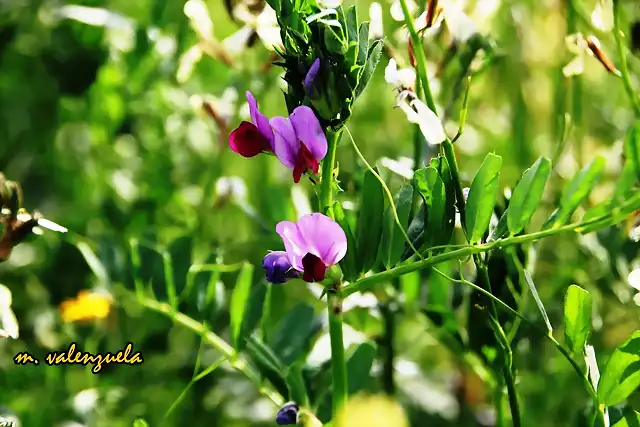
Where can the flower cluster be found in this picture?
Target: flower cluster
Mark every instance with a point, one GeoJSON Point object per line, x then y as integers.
{"type": "Point", "coordinates": [315, 242]}
{"type": "Point", "coordinates": [297, 141]}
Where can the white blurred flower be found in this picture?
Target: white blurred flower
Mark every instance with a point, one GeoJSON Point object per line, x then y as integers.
{"type": "Point", "coordinates": [376, 27]}
{"type": "Point", "coordinates": [403, 166]}
{"type": "Point", "coordinates": [400, 78]}
{"type": "Point", "coordinates": [231, 187]}
{"type": "Point", "coordinates": [396, 9]}
{"type": "Point", "coordinates": [602, 15]}
{"type": "Point", "coordinates": [592, 365]}
{"type": "Point", "coordinates": [634, 279]}
{"type": "Point", "coordinates": [265, 25]}
{"type": "Point", "coordinates": [417, 112]}
{"type": "Point", "coordinates": [198, 14]}
{"type": "Point", "coordinates": [8, 322]}
{"type": "Point", "coordinates": [329, 4]}
{"type": "Point", "coordinates": [85, 401]}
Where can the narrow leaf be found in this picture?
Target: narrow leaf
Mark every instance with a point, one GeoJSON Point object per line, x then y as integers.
{"type": "Point", "coordinates": [289, 340]}
{"type": "Point", "coordinates": [352, 24]}
{"type": "Point", "coordinates": [527, 195]}
{"type": "Point", "coordinates": [577, 318]}
{"type": "Point", "coordinates": [359, 367]}
{"type": "Point", "coordinates": [370, 219]}
{"type": "Point", "coordinates": [370, 66]}
{"type": "Point", "coordinates": [297, 386]}
{"type": "Point", "coordinates": [140, 423]}
{"type": "Point", "coordinates": [632, 148]}
{"type": "Point", "coordinates": [628, 418]}
{"type": "Point", "coordinates": [621, 376]}
{"type": "Point", "coordinates": [482, 197]}
{"type": "Point", "coordinates": [393, 242]}
{"type": "Point", "coordinates": [239, 299]}
{"type": "Point", "coordinates": [348, 264]}
{"type": "Point", "coordinates": [575, 193]}
{"type": "Point", "coordinates": [363, 43]}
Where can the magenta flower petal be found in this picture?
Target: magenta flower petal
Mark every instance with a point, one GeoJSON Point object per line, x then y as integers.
{"type": "Point", "coordinates": [309, 131]}
{"type": "Point", "coordinates": [324, 237]}
{"type": "Point", "coordinates": [285, 142]}
{"type": "Point", "coordinates": [259, 119]}
{"type": "Point", "coordinates": [294, 243]}
{"type": "Point", "coordinates": [247, 141]}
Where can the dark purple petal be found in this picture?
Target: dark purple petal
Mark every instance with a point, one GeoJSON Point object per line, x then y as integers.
{"type": "Point", "coordinates": [309, 132]}
{"type": "Point", "coordinates": [288, 414]}
{"type": "Point", "coordinates": [247, 141]}
{"type": "Point", "coordinates": [259, 120]}
{"type": "Point", "coordinates": [324, 237]}
{"type": "Point", "coordinates": [311, 76]}
{"type": "Point", "coordinates": [277, 267]}
{"type": "Point", "coordinates": [314, 269]}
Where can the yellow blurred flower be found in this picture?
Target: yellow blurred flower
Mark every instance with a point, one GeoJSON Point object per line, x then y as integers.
{"type": "Point", "coordinates": [87, 305]}
{"type": "Point", "coordinates": [372, 411]}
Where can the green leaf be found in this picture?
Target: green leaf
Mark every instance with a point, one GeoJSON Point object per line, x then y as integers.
{"type": "Point", "coordinates": [482, 197]}
{"type": "Point", "coordinates": [297, 386]}
{"type": "Point", "coordinates": [295, 329]}
{"type": "Point", "coordinates": [140, 423]}
{"type": "Point", "coordinates": [359, 367]}
{"type": "Point", "coordinates": [349, 263]}
{"type": "Point", "coordinates": [449, 219]}
{"type": "Point", "coordinates": [239, 299]}
{"type": "Point", "coordinates": [393, 241]}
{"type": "Point", "coordinates": [501, 228]}
{"type": "Point", "coordinates": [369, 67]}
{"type": "Point", "coordinates": [431, 187]}
{"type": "Point", "coordinates": [625, 184]}
{"type": "Point", "coordinates": [577, 318]}
{"type": "Point", "coordinates": [527, 195]}
{"type": "Point", "coordinates": [370, 219]}
{"type": "Point", "coordinates": [334, 39]}
{"type": "Point", "coordinates": [575, 193]}
{"type": "Point", "coordinates": [632, 148]}
{"type": "Point", "coordinates": [410, 285]}
{"type": "Point", "coordinates": [363, 43]}
{"type": "Point", "coordinates": [352, 24]}
{"type": "Point", "coordinates": [628, 418]}
{"type": "Point", "coordinates": [621, 376]}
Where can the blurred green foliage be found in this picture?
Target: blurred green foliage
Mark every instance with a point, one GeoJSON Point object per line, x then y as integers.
{"type": "Point", "coordinates": [112, 132]}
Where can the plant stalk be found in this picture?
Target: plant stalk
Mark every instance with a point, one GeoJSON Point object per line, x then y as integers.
{"type": "Point", "coordinates": [334, 299]}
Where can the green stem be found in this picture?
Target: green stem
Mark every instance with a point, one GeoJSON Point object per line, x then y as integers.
{"type": "Point", "coordinates": [338, 363]}
{"type": "Point", "coordinates": [409, 266]}
{"type": "Point", "coordinates": [334, 300]}
{"type": "Point", "coordinates": [624, 68]}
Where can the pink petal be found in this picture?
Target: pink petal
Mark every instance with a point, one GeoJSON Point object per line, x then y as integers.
{"type": "Point", "coordinates": [324, 238]}
{"type": "Point", "coordinates": [259, 119]}
{"type": "Point", "coordinates": [285, 143]}
{"type": "Point", "coordinates": [309, 131]}
{"type": "Point", "coordinates": [294, 243]}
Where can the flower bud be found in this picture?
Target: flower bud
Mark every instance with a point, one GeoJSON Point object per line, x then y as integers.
{"type": "Point", "coordinates": [288, 414]}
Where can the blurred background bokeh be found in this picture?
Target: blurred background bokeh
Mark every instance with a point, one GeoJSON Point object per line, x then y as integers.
{"type": "Point", "coordinates": [114, 118]}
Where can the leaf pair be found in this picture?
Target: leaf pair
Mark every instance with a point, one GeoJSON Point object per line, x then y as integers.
{"type": "Point", "coordinates": [621, 375]}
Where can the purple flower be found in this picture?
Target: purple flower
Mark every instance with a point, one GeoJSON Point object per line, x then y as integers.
{"type": "Point", "coordinates": [251, 139]}
{"type": "Point", "coordinates": [313, 244]}
{"type": "Point", "coordinates": [288, 414]}
{"type": "Point", "coordinates": [311, 76]}
{"type": "Point", "coordinates": [278, 268]}
{"type": "Point", "coordinates": [299, 141]}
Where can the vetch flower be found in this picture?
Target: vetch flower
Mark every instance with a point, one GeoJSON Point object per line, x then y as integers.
{"type": "Point", "coordinates": [263, 25]}
{"type": "Point", "coordinates": [311, 76]}
{"type": "Point", "coordinates": [251, 139]}
{"type": "Point", "coordinates": [299, 141]}
{"type": "Point", "coordinates": [376, 27]}
{"type": "Point", "coordinates": [288, 414]}
{"type": "Point", "coordinates": [8, 322]}
{"type": "Point", "coordinates": [312, 244]}
{"type": "Point", "coordinates": [278, 268]}
{"type": "Point", "coordinates": [404, 78]}
{"type": "Point", "coordinates": [417, 112]}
